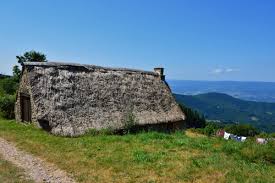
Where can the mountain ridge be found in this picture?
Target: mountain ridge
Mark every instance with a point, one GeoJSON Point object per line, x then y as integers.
{"type": "Point", "coordinates": [251, 91]}
{"type": "Point", "coordinates": [228, 109]}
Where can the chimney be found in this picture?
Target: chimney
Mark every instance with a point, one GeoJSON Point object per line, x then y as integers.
{"type": "Point", "coordinates": [160, 72]}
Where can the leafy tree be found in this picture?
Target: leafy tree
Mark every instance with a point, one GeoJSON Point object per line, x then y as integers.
{"type": "Point", "coordinates": [16, 73]}
{"type": "Point", "coordinates": [193, 118]}
{"type": "Point", "coordinates": [31, 56]}
{"type": "Point", "coordinates": [7, 106]}
{"type": "Point", "coordinates": [8, 86]}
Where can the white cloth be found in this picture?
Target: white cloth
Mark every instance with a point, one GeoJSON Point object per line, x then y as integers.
{"type": "Point", "coordinates": [261, 141]}
{"type": "Point", "coordinates": [226, 135]}
{"type": "Point", "coordinates": [243, 139]}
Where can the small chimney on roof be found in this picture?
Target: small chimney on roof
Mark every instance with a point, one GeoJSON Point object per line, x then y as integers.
{"type": "Point", "coordinates": [160, 72]}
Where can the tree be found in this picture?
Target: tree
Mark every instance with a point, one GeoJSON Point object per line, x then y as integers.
{"type": "Point", "coordinates": [7, 103]}
{"type": "Point", "coordinates": [16, 73]}
{"type": "Point", "coordinates": [193, 118]}
{"type": "Point", "coordinates": [8, 86]}
{"type": "Point", "coordinates": [31, 56]}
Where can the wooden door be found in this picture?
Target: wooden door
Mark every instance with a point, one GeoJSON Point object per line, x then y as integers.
{"type": "Point", "coordinates": [25, 108]}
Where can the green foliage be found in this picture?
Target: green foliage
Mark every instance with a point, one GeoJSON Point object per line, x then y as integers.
{"type": "Point", "coordinates": [16, 73]}
{"type": "Point", "coordinates": [237, 129]}
{"type": "Point", "coordinates": [263, 135]}
{"type": "Point", "coordinates": [193, 118]}
{"type": "Point", "coordinates": [7, 103]}
{"type": "Point", "coordinates": [222, 107]}
{"type": "Point", "coordinates": [242, 130]}
{"type": "Point", "coordinates": [8, 86]}
{"type": "Point", "coordinates": [211, 128]}
{"type": "Point", "coordinates": [129, 123]}
{"type": "Point", "coordinates": [31, 56]}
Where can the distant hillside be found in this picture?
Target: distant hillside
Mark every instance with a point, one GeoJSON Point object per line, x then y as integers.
{"type": "Point", "coordinates": [252, 91]}
{"type": "Point", "coordinates": [222, 107]}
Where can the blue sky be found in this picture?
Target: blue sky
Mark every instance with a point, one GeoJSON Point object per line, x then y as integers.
{"type": "Point", "coordinates": [193, 40]}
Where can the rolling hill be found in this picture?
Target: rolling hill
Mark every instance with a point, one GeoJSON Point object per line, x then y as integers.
{"type": "Point", "coordinates": [225, 108]}
{"type": "Point", "coordinates": [252, 91]}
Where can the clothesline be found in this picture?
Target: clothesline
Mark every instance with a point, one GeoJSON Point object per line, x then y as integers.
{"type": "Point", "coordinates": [227, 136]}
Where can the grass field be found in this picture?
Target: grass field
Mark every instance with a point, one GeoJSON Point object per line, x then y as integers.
{"type": "Point", "coordinates": [147, 157]}
{"type": "Point", "coordinates": [11, 174]}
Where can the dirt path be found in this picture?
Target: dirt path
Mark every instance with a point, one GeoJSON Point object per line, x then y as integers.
{"type": "Point", "coordinates": [35, 168]}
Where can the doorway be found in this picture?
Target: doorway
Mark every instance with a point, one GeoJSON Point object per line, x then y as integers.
{"type": "Point", "coordinates": [25, 107]}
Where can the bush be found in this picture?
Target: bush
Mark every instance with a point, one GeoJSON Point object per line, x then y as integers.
{"type": "Point", "coordinates": [263, 135]}
{"type": "Point", "coordinates": [7, 103]}
{"type": "Point", "coordinates": [8, 86]}
{"type": "Point", "coordinates": [242, 130]}
{"type": "Point", "coordinates": [129, 123]}
{"type": "Point", "coordinates": [211, 129]}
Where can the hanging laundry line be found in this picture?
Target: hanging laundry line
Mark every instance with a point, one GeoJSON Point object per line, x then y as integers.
{"type": "Point", "coordinates": [227, 136]}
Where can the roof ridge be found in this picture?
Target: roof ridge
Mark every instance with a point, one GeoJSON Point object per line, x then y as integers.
{"type": "Point", "coordinates": [87, 66]}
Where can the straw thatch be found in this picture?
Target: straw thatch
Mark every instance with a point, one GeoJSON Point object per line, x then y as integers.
{"type": "Point", "coordinates": [68, 99]}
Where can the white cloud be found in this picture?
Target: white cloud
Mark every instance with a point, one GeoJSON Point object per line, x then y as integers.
{"type": "Point", "coordinates": [217, 71]}
{"type": "Point", "coordinates": [223, 70]}
{"type": "Point", "coordinates": [231, 70]}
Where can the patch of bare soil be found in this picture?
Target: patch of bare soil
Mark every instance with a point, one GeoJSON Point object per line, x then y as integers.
{"type": "Point", "coordinates": [35, 168]}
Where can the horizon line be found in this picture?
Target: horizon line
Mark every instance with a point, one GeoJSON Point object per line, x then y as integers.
{"type": "Point", "coordinates": [197, 80]}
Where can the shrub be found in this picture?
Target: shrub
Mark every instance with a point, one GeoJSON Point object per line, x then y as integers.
{"type": "Point", "coordinates": [242, 130]}
{"type": "Point", "coordinates": [211, 129]}
{"type": "Point", "coordinates": [8, 86]}
{"type": "Point", "coordinates": [263, 135]}
{"type": "Point", "coordinates": [129, 123]}
{"type": "Point", "coordinates": [7, 103]}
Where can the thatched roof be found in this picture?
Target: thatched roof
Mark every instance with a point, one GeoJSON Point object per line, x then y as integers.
{"type": "Point", "coordinates": [74, 98]}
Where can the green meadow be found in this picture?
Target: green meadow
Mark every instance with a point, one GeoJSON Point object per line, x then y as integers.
{"type": "Point", "coordinates": [147, 156]}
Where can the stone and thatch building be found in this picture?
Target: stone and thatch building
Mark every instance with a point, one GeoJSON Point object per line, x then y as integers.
{"type": "Point", "coordinates": [69, 99]}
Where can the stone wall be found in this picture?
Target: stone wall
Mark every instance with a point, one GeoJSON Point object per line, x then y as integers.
{"type": "Point", "coordinates": [73, 98]}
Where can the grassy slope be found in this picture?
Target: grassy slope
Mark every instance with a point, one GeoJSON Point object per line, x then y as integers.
{"type": "Point", "coordinates": [226, 108]}
{"type": "Point", "coordinates": [11, 174]}
{"type": "Point", "coordinates": [147, 157]}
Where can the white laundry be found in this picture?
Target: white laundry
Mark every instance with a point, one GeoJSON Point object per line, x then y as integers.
{"type": "Point", "coordinates": [226, 135]}
{"type": "Point", "coordinates": [243, 139]}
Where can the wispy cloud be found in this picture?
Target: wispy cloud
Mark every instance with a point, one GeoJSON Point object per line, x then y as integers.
{"type": "Point", "coordinates": [217, 71]}
{"type": "Point", "coordinates": [224, 70]}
